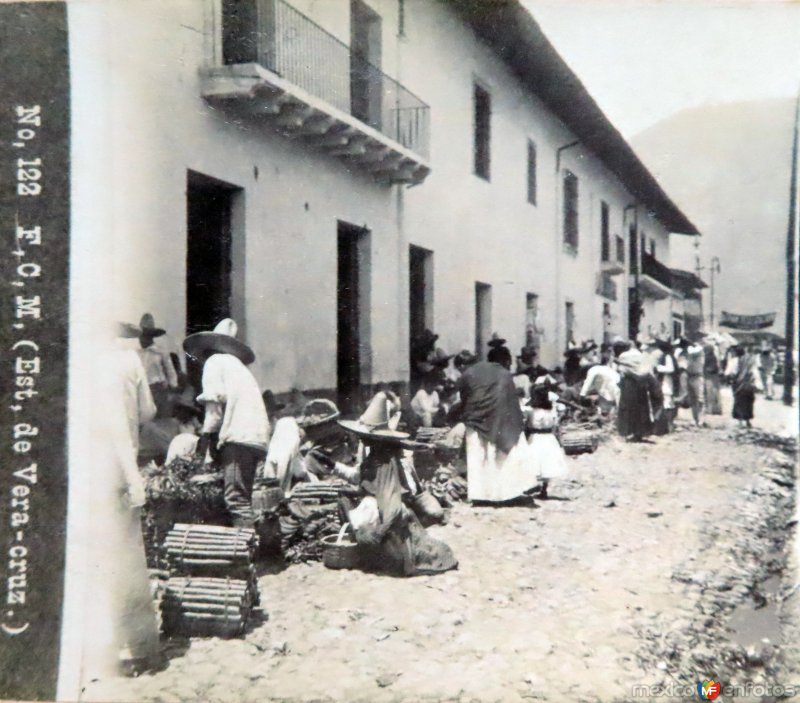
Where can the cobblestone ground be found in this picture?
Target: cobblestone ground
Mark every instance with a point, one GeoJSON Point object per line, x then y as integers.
{"type": "Point", "coordinates": [630, 575]}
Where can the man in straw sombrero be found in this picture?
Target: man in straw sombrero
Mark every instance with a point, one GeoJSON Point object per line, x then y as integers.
{"type": "Point", "coordinates": [396, 543]}
{"type": "Point", "coordinates": [236, 422]}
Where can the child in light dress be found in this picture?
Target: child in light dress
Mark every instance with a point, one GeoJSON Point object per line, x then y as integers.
{"type": "Point", "coordinates": [541, 423]}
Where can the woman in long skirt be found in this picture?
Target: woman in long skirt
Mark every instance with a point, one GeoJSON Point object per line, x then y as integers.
{"type": "Point", "coordinates": [711, 374]}
{"type": "Point", "coordinates": [634, 417]}
{"type": "Point", "coordinates": [745, 383]}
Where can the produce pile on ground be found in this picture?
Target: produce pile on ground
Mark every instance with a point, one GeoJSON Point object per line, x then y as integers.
{"type": "Point", "coordinates": [302, 528]}
{"type": "Point", "coordinates": [183, 491]}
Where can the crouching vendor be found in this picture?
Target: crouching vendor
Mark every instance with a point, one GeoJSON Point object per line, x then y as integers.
{"type": "Point", "coordinates": [391, 536]}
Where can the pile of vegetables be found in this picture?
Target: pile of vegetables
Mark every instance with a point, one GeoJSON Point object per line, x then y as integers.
{"type": "Point", "coordinates": [182, 491]}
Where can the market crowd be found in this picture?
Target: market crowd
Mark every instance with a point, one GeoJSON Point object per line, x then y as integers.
{"type": "Point", "coordinates": [501, 415]}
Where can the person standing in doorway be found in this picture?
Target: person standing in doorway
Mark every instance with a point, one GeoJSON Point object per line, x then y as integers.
{"type": "Point", "coordinates": [236, 425]}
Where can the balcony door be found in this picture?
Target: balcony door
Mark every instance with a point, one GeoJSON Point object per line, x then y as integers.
{"type": "Point", "coordinates": [366, 79]}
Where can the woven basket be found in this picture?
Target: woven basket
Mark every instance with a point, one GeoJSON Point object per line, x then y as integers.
{"type": "Point", "coordinates": [426, 506]}
{"type": "Point", "coordinates": [340, 552]}
{"type": "Point", "coordinates": [267, 495]}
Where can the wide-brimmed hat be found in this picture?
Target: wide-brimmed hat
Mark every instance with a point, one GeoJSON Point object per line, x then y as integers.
{"type": "Point", "coordinates": [588, 345]}
{"type": "Point", "coordinates": [546, 381]}
{"type": "Point", "coordinates": [439, 358]}
{"type": "Point", "coordinates": [427, 337]}
{"type": "Point", "coordinates": [125, 330]}
{"type": "Point", "coordinates": [464, 358]}
{"type": "Point", "coordinates": [496, 340]}
{"type": "Point", "coordinates": [222, 340]}
{"type": "Point", "coordinates": [148, 325]}
{"type": "Point", "coordinates": [373, 425]}
{"type": "Point", "coordinates": [271, 404]}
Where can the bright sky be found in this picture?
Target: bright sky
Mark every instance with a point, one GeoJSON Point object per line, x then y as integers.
{"type": "Point", "coordinates": [643, 60]}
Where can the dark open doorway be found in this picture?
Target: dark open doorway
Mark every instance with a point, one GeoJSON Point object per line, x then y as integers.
{"type": "Point", "coordinates": [483, 317]}
{"type": "Point", "coordinates": [420, 291]}
{"type": "Point", "coordinates": [352, 337]}
{"type": "Point", "coordinates": [209, 207]}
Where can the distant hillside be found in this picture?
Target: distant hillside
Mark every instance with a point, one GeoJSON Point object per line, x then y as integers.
{"type": "Point", "coordinates": [728, 167]}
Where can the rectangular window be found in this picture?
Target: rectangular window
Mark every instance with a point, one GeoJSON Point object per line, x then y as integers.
{"type": "Point", "coordinates": [605, 235]}
{"type": "Point", "coordinates": [571, 210]}
{"type": "Point", "coordinates": [644, 243]}
{"type": "Point", "coordinates": [634, 248]}
{"type": "Point", "coordinates": [531, 173]}
{"type": "Point", "coordinates": [653, 248]}
{"type": "Point", "coordinates": [482, 131]}
{"type": "Point", "coordinates": [620, 250]}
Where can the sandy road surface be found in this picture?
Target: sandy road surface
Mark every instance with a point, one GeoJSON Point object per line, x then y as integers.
{"type": "Point", "coordinates": [628, 576]}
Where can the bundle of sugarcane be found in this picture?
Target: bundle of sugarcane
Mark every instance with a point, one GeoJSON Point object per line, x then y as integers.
{"type": "Point", "coordinates": [210, 549]}
{"type": "Point", "coordinates": [302, 537]}
{"type": "Point", "coordinates": [195, 606]}
{"type": "Point", "coordinates": [430, 435]}
{"type": "Point", "coordinates": [322, 491]}
{"type": "Point", "coordinates": [578, 442]}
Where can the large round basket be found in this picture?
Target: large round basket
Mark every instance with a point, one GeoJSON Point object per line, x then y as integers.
{"type": "Point", "coordinates": [340, 552]}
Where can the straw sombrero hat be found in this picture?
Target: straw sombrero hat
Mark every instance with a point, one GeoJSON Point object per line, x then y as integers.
{"type": "Point", "coordinates": [373, 425]}
{"type": "Point", "coordinates": [222, 340]}
{"type": "Point", "coordinates": [148, 325]}
{"type": "Point", "coordinates": [125, 330]}
{"type": "Point", "coordinates": [439, 358]}
{"type": "Point", "coordinates": [496, 340]}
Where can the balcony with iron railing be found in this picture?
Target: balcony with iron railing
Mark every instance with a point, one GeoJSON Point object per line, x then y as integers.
{"type": "Point", "coordinates": [655, 280]}
{"type": "Point", "coordinates": [279, 66]}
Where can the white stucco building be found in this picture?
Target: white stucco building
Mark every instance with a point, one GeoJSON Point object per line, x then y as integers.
{"type": "Point", "coordinates": [338, 175]}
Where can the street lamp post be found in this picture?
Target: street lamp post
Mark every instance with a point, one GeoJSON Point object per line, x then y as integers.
{"type": "Point", "coordinates": [713, 268]}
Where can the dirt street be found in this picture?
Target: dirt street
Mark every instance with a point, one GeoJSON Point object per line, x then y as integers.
{"type": "Point", "coordinates": [647, 568]}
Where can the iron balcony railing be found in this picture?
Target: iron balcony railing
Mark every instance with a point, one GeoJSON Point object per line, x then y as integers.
{"type": "Point", "coordinates": [656, 270]}
{"type": "Point", "coordinates": [275, 35]}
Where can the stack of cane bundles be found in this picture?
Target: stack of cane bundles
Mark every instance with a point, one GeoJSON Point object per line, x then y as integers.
{"type": "Point", "coordinates": [578, 442]}
{"type": "Point", "coordinates": [212, 588]}
{"type": "Point", "coordinates": [323, 491]}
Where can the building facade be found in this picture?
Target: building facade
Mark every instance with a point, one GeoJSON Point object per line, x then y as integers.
{"type": "Point", "coordinates": [339, 175]}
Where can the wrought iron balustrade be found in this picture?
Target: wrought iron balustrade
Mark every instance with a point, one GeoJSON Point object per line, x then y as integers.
{"type": "Point", "coordinates": [283, 40]}
{"type": "Point", "coordinates": [656, 270]}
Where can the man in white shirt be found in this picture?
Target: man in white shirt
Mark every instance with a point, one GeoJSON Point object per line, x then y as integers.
{"type": "Point", "coordinates": [158, 366]}
{"type": "Point", "coordinates": [235, 415]}
{"type": "Point", "coordinates": [604, 381]}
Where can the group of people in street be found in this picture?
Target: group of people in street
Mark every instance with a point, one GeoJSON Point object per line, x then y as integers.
{"type": "Point", "coordinates": [506, 415]}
